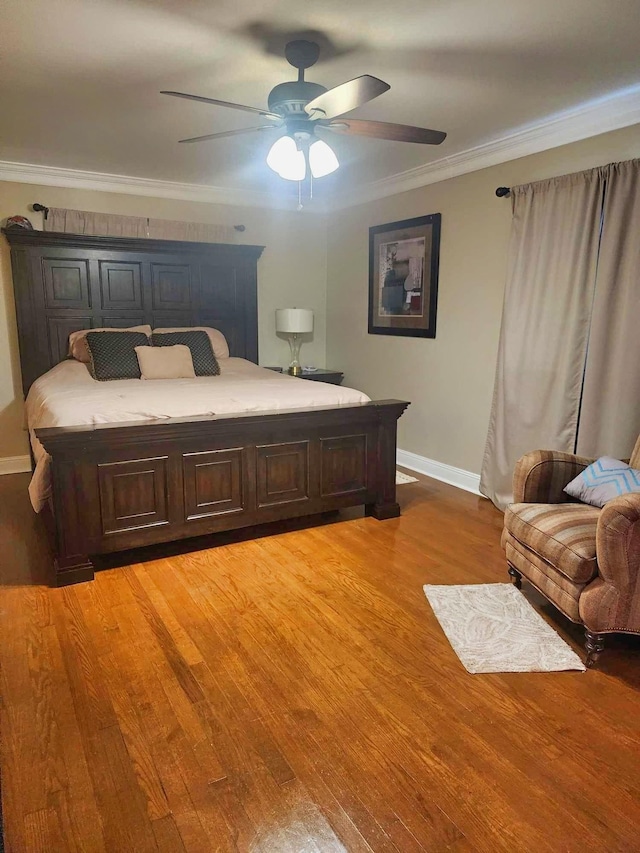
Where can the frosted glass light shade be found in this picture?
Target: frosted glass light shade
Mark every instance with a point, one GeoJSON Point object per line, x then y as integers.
{"type": "Point", "coordinates": [285, 159]}
{"type": "Point", "coordinates": [322, 160]}
{"type": "Point", "coordinates": [294, 321]}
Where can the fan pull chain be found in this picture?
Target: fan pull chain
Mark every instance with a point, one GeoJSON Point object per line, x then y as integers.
{"type": "Point", "coordinates": [300, 204]}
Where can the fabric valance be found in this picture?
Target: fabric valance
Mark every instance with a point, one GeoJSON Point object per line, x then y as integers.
{"type": "Point", "coordinates": [66, 221]}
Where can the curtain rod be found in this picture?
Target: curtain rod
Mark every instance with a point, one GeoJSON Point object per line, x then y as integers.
{"type": "Point", "coordinates": [40, 208]}
{"type": "Point", "coordinates": [502, 192]}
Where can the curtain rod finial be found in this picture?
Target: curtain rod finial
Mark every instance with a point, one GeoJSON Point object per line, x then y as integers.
{"type": "Point", "coordinates": [40, 208]}
{"type": "Point", "coordinates": [501, 192]}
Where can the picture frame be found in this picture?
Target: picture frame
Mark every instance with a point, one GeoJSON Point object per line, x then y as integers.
{"type": "Point", "coordinates": [403, 277]}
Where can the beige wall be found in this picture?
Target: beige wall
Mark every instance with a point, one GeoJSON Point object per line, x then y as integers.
{"type": "Point", "coordinates": [449, 380]}
{"type": "Point", "coordinates": [291, 271]}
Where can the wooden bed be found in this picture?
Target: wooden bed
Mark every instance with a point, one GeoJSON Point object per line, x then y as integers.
{"type": "Point", "coordinates": [122, 486]}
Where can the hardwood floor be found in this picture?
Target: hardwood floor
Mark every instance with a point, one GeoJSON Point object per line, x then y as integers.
{"type": "Point", "coordinates": [295, 693]}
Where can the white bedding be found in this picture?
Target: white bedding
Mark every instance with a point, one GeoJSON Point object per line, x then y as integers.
{"type": "Point", "coordinates": [67, 395]}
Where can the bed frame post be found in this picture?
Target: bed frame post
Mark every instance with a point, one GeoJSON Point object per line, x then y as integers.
{"type": "Point", "coordinates": [74, 570]}
{"type": "Point", "coordinates": [385, 505]}
{"type": "Point", "coordinates": [69, 565]}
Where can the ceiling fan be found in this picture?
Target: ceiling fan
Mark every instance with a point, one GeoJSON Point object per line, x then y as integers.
{"type": "Point", "coordinates": [303, 108]}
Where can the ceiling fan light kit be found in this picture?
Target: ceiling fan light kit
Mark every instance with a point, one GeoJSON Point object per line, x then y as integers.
{"type": "Point", "coordinates": [302, 107]}
{"type": "Point", "coordinates": [287, 160]}
{"type": "Point", "coordinates": [322, 159]}
{"type": "Point", "coordinates": [288, 157]}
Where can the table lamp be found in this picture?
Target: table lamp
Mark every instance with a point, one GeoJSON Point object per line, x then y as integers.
{"type": "Point", "coordinates": [294, 322]}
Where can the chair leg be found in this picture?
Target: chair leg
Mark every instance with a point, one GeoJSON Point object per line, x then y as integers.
{"type": "Point", "coordinates": [516, 577]}
{"type": "Point", "coordinates": [594, 645]}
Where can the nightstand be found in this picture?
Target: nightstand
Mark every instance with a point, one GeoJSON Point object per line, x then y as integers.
{"type": "Point", "coordinates": [333, 377]}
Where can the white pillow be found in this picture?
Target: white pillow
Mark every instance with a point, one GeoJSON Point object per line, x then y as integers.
{"type": "Point", "coordinates": [219, 343]}
{"type": "Point", "coordinates": [173, 362]}
{"type": "Point", "coordinates": [79, 349]}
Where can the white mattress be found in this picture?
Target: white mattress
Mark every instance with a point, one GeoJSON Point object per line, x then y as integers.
{"type": "Point", "coordinates": [67, 395]}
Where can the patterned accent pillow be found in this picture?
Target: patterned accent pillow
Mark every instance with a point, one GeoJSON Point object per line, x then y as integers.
{"type": "Point", "coordinates": [219, 343]}
{"type": "Point", "coordinates": [79, 349]}
{"type": "Point", "coordinates": [113, 354]}
{"type": "Point", "coordinates": [204, 361]}
{"type": "Point", "coordinates": [603, 480]}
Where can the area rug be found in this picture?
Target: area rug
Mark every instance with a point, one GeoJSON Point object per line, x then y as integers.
{"type": "Point", "coordinates": [493, 628]}
{"type": "Point", "coordinates": [404, 478]}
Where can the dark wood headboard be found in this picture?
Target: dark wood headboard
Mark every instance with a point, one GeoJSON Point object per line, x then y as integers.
{"type": "Point", "coordinates": [66, 282]}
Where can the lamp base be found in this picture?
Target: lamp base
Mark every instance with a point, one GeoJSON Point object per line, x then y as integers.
{"type": "Point", "coordinates": [295, 341]}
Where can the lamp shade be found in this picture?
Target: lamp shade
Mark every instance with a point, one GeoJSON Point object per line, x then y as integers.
{"type": "Point", "coordinates": [285, 159]}
{"type": "Point", "coordinates": [294, 321]}
{"type": "Point", "coordinates": [322, 160]}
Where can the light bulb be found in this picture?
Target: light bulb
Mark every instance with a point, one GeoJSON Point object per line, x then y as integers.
{"type": "Point", "coordinates": [322, 160]}
{"type": "Point", "coordinates": [285, 159]}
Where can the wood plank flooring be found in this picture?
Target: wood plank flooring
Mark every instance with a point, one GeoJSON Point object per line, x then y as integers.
{"type": "Point", "coordinates": [294, 693]}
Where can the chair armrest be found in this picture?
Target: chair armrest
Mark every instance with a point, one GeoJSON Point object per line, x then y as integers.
{"type": "Point", "coordinates": [618, 541]}
{"type": "Point", "coordinates": [540, 476]}
{"type": "Point", "coordinates": [611, 602]}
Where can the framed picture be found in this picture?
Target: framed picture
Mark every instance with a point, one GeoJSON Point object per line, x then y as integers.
{"type": "Point", "coordinates": [403, 277]}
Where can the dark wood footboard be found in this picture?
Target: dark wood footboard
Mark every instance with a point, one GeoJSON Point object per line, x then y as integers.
{"type": "Point", "coordinates": [117, 487]}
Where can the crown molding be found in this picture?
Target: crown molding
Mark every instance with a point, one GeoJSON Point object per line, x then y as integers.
{"type": "Point", "coordinates": [52, 176]}
{"type": "Point", "coordinates": [615, 111]}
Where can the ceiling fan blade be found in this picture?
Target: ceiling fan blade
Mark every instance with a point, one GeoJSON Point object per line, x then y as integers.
{"type": "Point", "coordinates": [264, 113]}
{"type": "Point", "coordinates": [224, 133]}
{"type": "Point", "coordinates": [387, 130]}
{"type": "Point", "coordinates": [346, 97]}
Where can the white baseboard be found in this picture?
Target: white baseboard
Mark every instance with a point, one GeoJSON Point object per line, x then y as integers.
{"type": "Point", "coordinates": [439, 471]}
{"type": "Point", "coordinates": [15, 464]}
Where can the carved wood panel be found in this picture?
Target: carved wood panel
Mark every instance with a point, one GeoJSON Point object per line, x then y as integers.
{"type": "Point", "coordinates": [282, 473]}
{"type": "Point", "coordinates": [213, 483]}
{"type": "Point", "coordinates": [343, 465]}
{"type": "Point", "coordinates": [120, 285]}
{"type": "Point", "coordinates": [218, 287]}
{"type": "Point", "coordinates": [133, 494]}
{"type": "Point", "coordinates": [171, 286]}
{"type": "Point", "coordinates": [66, 283]}
{"type": "Point", "coordinates": [221, 299]}
{"type": "Point", "coordinates": [58, 331]}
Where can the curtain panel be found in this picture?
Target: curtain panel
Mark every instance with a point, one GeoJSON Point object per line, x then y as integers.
{"type": "Point", "coordinates": [114, 225]}
{"type": "Point", "coordinates": [545, 324]}
{"type": "Point", "coordinates": [568, 371]}
{"type": "Point", "coordinates": [610, 411]}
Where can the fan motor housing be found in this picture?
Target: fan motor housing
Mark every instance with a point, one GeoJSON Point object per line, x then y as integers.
{"type": "Point", "coordinates": [290, 99]}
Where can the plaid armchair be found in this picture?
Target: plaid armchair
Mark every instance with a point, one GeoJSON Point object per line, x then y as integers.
{"type": "Point", "coordinates": [585, 560]}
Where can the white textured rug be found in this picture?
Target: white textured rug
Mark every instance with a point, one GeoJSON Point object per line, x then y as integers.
{"type": "Point", "coordinates": [493, 628]}
{"type": "Point", "coordinates": [404, 478]}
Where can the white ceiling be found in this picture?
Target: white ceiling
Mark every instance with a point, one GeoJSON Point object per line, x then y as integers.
{"type": "Point", "coordinates": [80, 79]}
